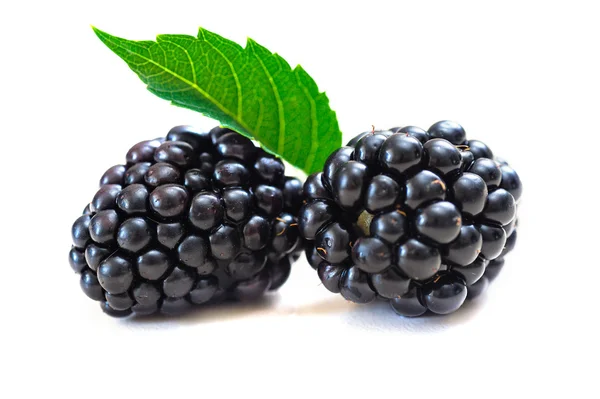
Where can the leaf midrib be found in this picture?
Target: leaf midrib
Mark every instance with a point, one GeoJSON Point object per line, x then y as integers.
{"type": "Point", "coordinates": [280, 110]}
{"type": "Point", "coordinates": [183, 79]}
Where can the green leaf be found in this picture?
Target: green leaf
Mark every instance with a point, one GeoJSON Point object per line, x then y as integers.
{"type": "Point", "coordinates": [250, 90]}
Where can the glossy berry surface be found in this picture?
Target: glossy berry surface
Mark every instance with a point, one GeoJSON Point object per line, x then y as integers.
{"type": "Point", "coordinates": [194, 218]}
{"type": "Point", "coordinates": [420, 218]}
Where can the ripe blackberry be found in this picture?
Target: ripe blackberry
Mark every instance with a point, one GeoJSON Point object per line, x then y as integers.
{"type": "Point", "coordinates": [190, 219]}
{"type": "Point", "coordinates": [422, 219]}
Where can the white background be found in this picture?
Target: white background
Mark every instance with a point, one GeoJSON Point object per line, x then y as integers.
{"type": "Point", "coordinates": [523, 76]}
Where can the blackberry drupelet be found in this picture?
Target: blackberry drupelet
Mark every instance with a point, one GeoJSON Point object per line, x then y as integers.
{"type": "Point", "coordinates": [194, 218]}
{"type": "Point", "coordinates": [422, 219]}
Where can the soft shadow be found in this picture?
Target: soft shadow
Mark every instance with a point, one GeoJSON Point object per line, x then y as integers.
{"type": "Point", "coordinates": [210, 313]}
{"type": "Point", "coordinates": [376, 315]}
{"type": "Point", "coordinates": [380, 315]}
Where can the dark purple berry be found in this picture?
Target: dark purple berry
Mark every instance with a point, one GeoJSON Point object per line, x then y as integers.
{"type": "Point", "coordinates": [246, 265]}
{"type": "Point", "coordinates": [424, 187]}
{"type": "Point", "coordinates": [390, 283]}
{"type": "Point", "coordinates": [105, 198]}
{"type": "Point", "coordinates": [134, 234]}
{"type": "Point", "coordinates": [144, 310]}
{"type": "Point", "coordinates": [136, 174]}
{"type": "Point", "coordinates": [133, 199]}
{"type": "Point", "coordinates": [253, 288]}
{"type": "Point", "coordinates": [114, 175]}
{"type": "Point", "coordinates": [382, 192]}
{"type": "Point", "coordinates": [511, 241]}
{"type": "Point", "coordinates": [115, 274]}
{"type": "Point", "coordinates": [467, 159]}
{"type": "Point", "coordinates": [238, 204]}
{"type": "Point", "coordinates": [90, 285]}
{"type": "Point", "coordinates": [80, 232]}
{"type": "Point", "coordinates": [511, 182]}
{"type": "Point", "coordinates": [176, 152]}
{"type": "Point", "coordinates": [478, 288]}
{"type": "Point", "coordinates": [417, 260]}
{"type": "Point", "coordinates": [195, 180]}
{"type": "Point", "coordinates": [142, 152]}
{"type": "Point", "coordinates": [448, 130]}
{"type": "Point", "coordinates": [119, 302]}
{"type": "Point", "coordinates": [479, 149]}
{"type": "Point", "coordinates": [231, 173]}
{"type": "Point", "coordinates": [442, 156]}
{"type": "Point", "coordinates": [174, 306]}
{"type": "Point", "coordinates": [169, 200]}
{"type": "Point", "coordinates": [94, 255]}
{"type": "Point", "coordinates": [189, 134]}
{"type": "Point", "coordinates": [103, 226]}
{"type": "Point", "coordinates": [494, 239]}
{"type": "Point", "coordinates": [206, 211]}
{"type": "Point", "coordinates": [106, 308]}
{"type": "Point", "coordinates": [510, 227]}
{"type": "Point", "coordinates": [269, 168]}
{"type": "Point", "coordinates": [146, 294]}
{"type": "Point", "coordinates": [77, 260]}
{"type": "Point", "coordinates": [333, 243]}
{"type": "Point", "coordinates": [444, 294]}
{"type": "Point", "coordinates": [440, 222]}
{"type": "Point", "coordinates": [488, 170]}
{"type": "Point", "coordinates": [178, 283]}
{"type": "Point", "coordinates": [367, 149]}
{"type": "Point", "coordinates": [257, 232]}
{"type": "Point", "coordinates": [234, 145]}
{"type": "Point", "coordinates": [472, 272]}
{"type": "Point", "coordinates": [269, 199]}
{"type": "Point", "coordinates": [415, 132]}
{"type": "Point", "coordinates": [204, 289]}
{"type": "Point", "coordinates": [207, 268]}
{"type": "Point", "coordinates": [372, 255]}
{"type": "Point", "coordinates": [285, 234]}
{"type": "Point", "coordinates": [162, 173]}
{"type": "Point", "coordinates": [400, 153]}
{"type": "Point", "coordinates": [169, 234]}
{"type": "Point", "coordinates": [192, 251]}
{"type": "Point", "coordinates": [279, 273]}
{"type": "Point", "coordinates": [358, 137]}
{"type": "Point", "coordinates": [312, 217]}
{"type": "Point", "coordinates": [313, 257]}
{"type": "Point", "coordinates": [153, 264]}
{"type": "Point", "coordinates": [330, 276]}
{"type": "Point", "coordinates": [349, 184]}
{"type": "Point", "coordinates": [390, 226]}
{"type": "Point", "coordinates": [409, 304]}
{"type": "Point", "coordinates": [470, 193]}
{"type": "Point", "coordinates": [466, 247]}
{"type": "Point", "coordinates": [493, 269]}
{"type": "Point", "coordinates": [216, 132]}
{"type": "Point", "coordinates": [354, 286]}
{"type": "Point", "coordinates": [225, 243]}
{"type": "Point", "coordinates": [334, 163]}
{"type": "Point", "coordinates": [500, 207]}
{"type": "Point", "coordinates": [314, 188]}
{"type": "Point", "coordinates": [292, 194]}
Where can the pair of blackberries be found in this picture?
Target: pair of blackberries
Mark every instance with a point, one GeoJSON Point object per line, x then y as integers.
{"type": "Point", "coordinates": [420, 218]}
{"type": "Point", "coordinates": [190, 219]}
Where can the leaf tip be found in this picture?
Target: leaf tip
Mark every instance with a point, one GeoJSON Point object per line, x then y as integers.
{"type": "Point", "coordinates": [250, 42]}
{"type": "Point", "coordinates": [100, 33]}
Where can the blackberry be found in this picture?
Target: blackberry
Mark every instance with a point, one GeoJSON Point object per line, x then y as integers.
{"type": "Point", "coordinates": [194, 218]}
{"type": "Point", "coordinates": [422, 219]}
